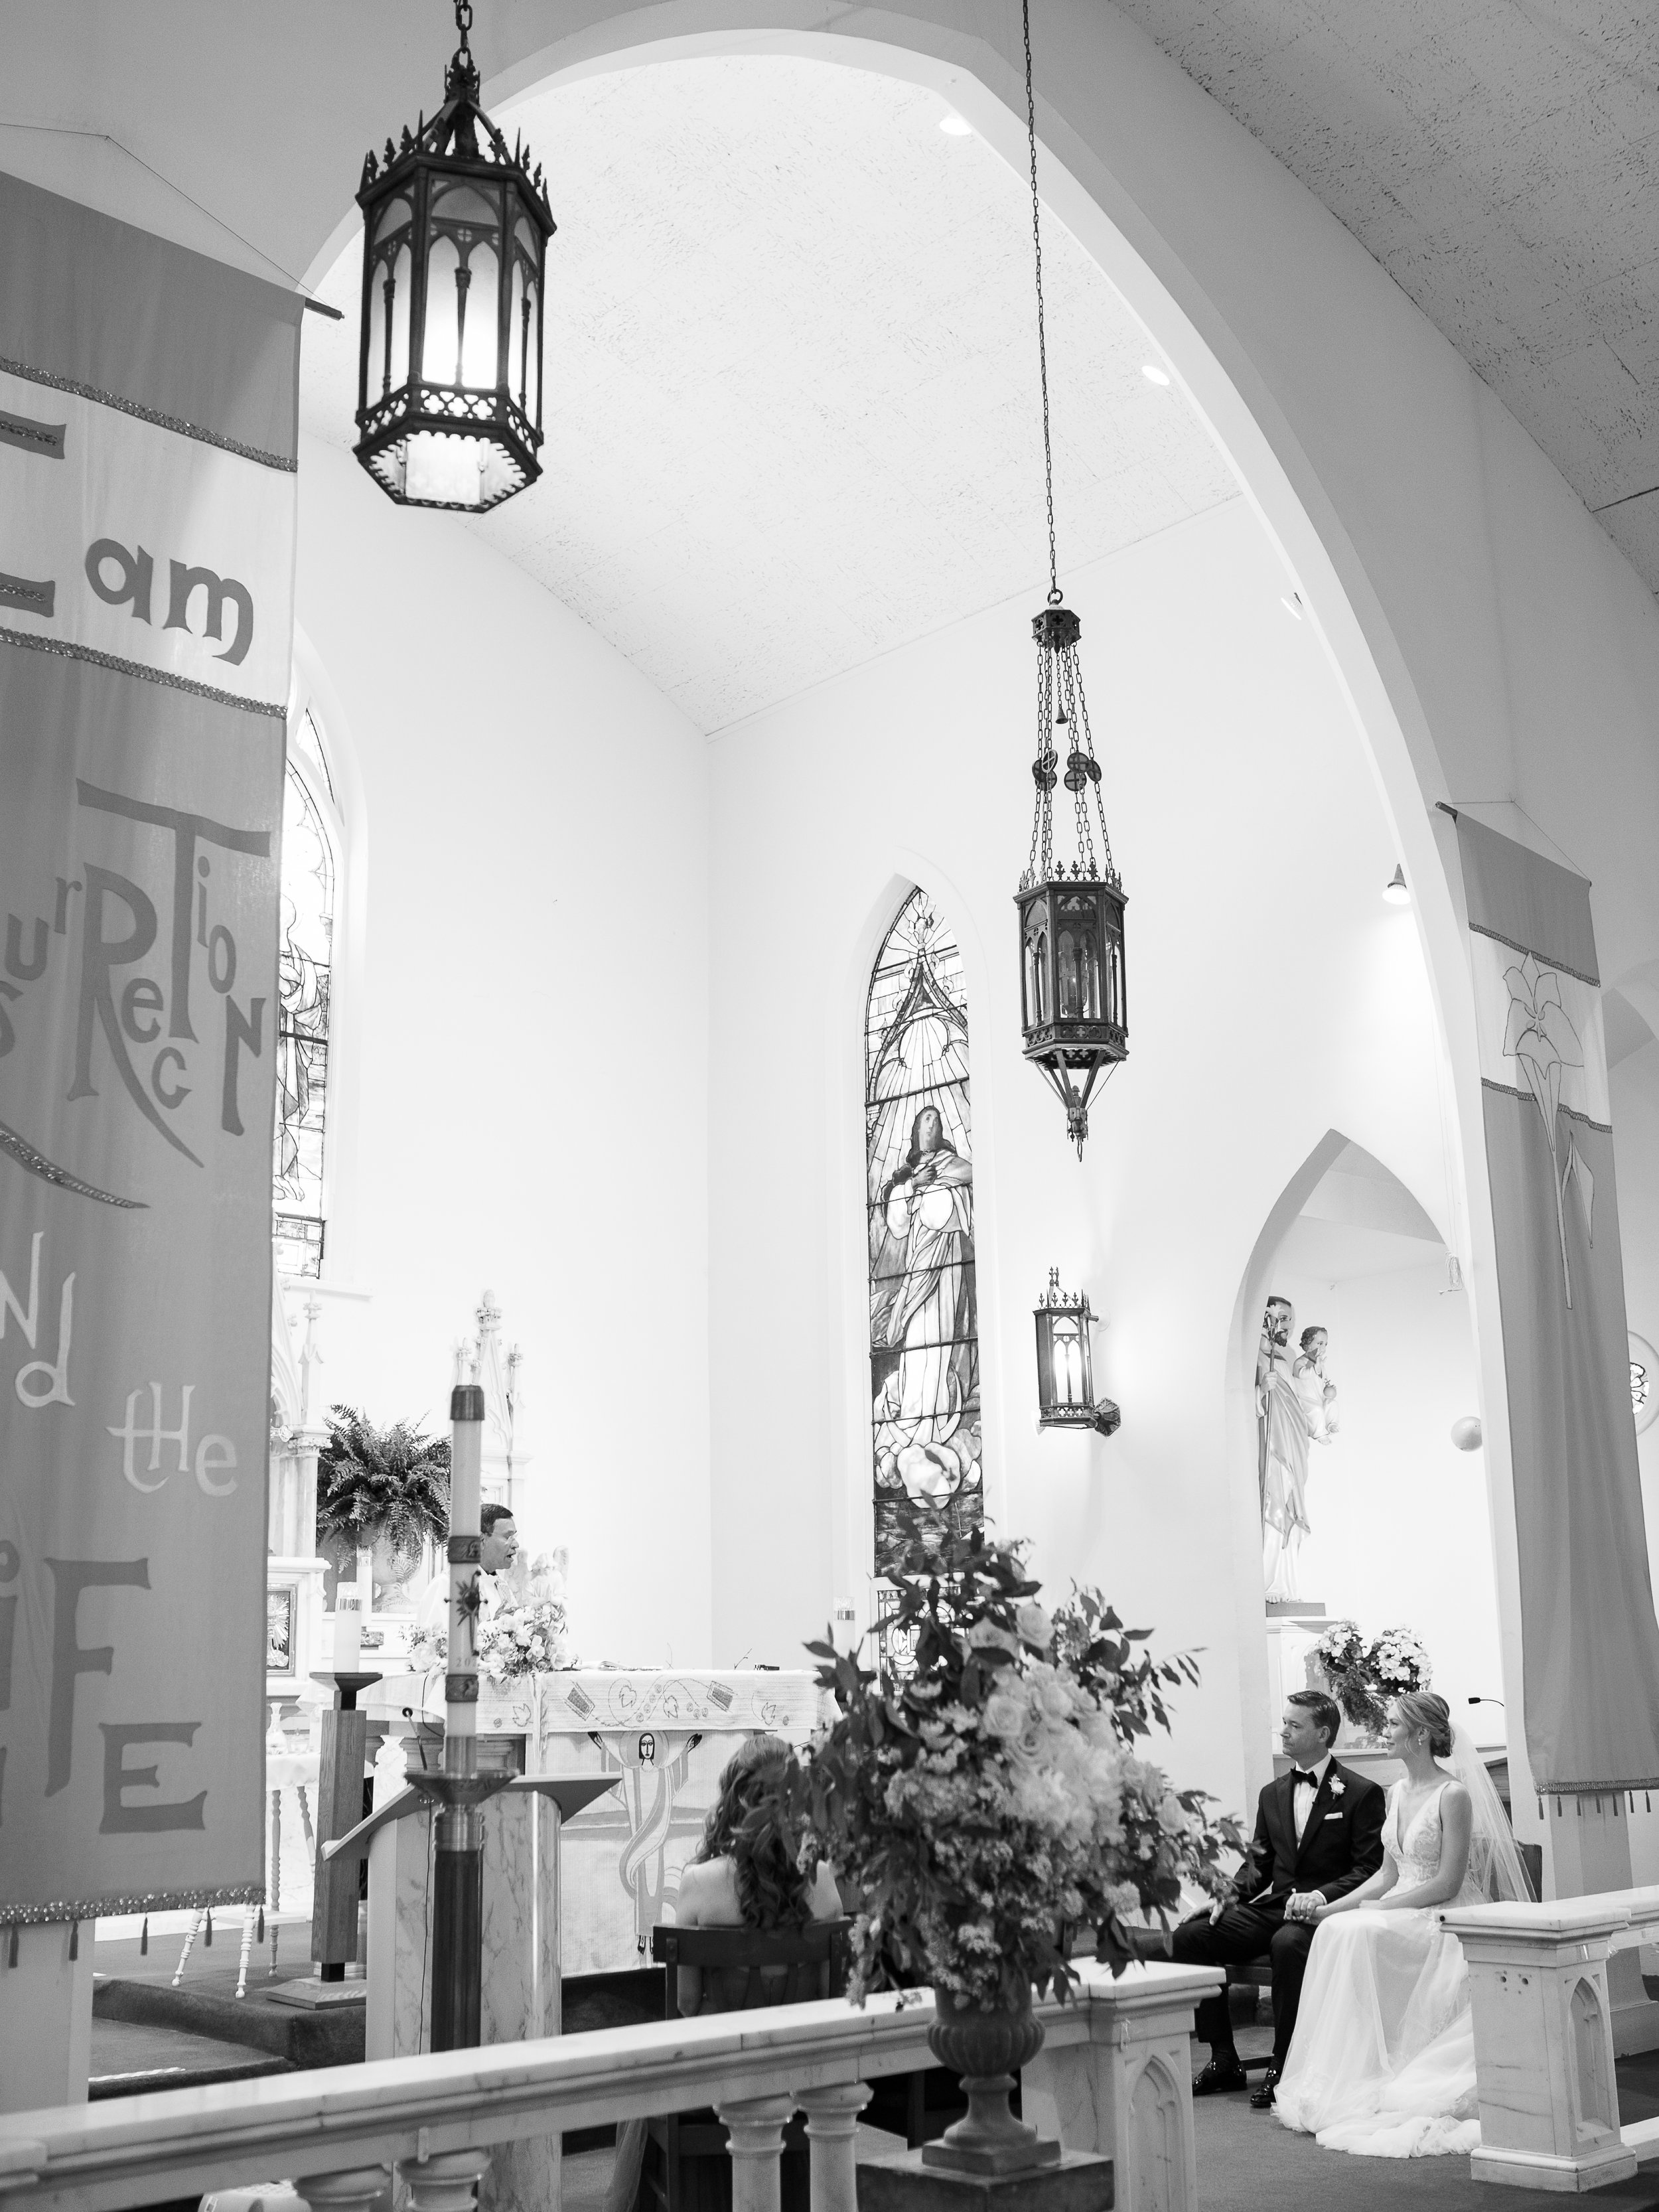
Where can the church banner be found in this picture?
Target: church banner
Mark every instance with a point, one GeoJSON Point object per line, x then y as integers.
{"type": "Point", "coordinates": [1589, 1640]}
{"type": "Point", "coordinates": [148, 421]}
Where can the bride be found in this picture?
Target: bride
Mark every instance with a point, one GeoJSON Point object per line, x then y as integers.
{"type": "Point", "coordinates": [1383, 2060]}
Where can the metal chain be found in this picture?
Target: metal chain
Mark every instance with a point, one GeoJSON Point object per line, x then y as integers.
{"type": "Point", "coordinates": [463, 24]}
{"type": "Point", "coordinates": [1054, 592]}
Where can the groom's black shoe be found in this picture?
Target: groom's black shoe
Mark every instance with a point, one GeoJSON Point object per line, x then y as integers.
{"type": "Point", "coordinates": [1262, 2099]}
{"type": "Point", "coordinates": [1221, 2074]}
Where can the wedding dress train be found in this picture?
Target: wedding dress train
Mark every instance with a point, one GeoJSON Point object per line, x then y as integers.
{"type": "Point", "coordinates": [1383, 2060]}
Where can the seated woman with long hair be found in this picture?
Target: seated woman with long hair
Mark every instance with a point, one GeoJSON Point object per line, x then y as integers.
{"type": "Point", "coordinates": [745, 1873]}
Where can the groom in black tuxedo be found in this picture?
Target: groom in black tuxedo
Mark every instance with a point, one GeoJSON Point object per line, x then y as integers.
{"type": "Point", "coordinates": [1318, 1835]}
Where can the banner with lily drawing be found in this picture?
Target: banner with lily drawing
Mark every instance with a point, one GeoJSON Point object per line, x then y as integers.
{"type": "Point", "coordinates": [1589, 1639]}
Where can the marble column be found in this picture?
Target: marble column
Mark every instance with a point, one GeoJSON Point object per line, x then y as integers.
{"type": "Point", "coordinates": [46, 2015]}
{"type": "Point", "coordinates": [832, 2128]}
{"type": "Point", "coordinates": [756, 2126]}
{"type": "Point", "coordinates": [520, 1996]}
{"type": "Point", "coordinates": [1127, 2093]}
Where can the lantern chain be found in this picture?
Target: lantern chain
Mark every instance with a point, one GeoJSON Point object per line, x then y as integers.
{"type": "Point", "coordinates": [464, 25]}
{"type": "Point", "coordinates": [1109, 867]}
{"type": "Point", "coordinates": [1055, 593]}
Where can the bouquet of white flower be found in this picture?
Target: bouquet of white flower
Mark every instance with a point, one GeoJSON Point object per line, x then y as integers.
{"type": "Point", "coordinates": [523, 1639]}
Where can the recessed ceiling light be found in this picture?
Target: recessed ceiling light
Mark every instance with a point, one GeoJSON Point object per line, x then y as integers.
{"type": "Point", "coordinates": [1395, 891]}
{"type": "Point", "coordinates": [954, 127]}
{"type": "Point", "coordinates": [1154, 374]}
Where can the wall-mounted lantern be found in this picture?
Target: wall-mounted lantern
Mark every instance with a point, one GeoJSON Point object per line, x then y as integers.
{"type": "Point", "coordinates": [1065, 1385]}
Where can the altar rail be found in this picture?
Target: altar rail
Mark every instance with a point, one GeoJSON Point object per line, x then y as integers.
{"type": "Point", "coordinates": [1544, 2040]}
{"type": "Point", "coordinates": [1113, 2078]}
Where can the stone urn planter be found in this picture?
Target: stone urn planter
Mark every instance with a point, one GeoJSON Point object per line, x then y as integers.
{"type": "Point", "coordinates": [986, 2049]}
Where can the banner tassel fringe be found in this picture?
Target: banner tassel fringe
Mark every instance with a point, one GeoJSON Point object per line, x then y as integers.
{"type": "Point", "coordinates": [259, 1937]}
{"type": "Point", "coordinates": [143, 1939]}
{"type": "Point", "coordinates": [207, 1940]}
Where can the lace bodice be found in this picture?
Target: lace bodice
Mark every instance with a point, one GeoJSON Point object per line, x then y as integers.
{"type": "Point", "coordinates": [1416, 1854]}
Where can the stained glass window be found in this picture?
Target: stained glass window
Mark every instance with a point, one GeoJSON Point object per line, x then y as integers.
{"type": "Point", "coordinates": [924, 1314]}
{"type": "Point", "coordinates": [305, 966]}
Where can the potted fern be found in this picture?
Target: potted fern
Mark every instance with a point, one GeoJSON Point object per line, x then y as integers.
{"type": "Point", "coordinates": [383, 1491]}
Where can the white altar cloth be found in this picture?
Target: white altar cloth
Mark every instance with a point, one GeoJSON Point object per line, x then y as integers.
{"type": "Point", "coordinates": [665, 1734]}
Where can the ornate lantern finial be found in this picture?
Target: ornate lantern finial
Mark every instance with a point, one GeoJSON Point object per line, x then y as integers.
{"type": "Point", "coordinates": [455, 232]}
{"type": "Point", "coordinates": [1073, 1003]}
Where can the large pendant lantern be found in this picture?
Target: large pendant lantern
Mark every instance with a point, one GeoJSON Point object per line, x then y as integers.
{"type": "Point", "coordinates": [449, 391]}
{"type": "Point", "coordinates": [1073, 1003]}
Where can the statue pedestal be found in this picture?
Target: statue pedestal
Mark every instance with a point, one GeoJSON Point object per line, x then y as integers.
{"type": "Point", "coordinates": [1294, 1628]}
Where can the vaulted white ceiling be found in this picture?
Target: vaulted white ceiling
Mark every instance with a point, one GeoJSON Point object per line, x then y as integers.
{"type": "Point", "coordinates": [1500, 158]}
{"type": "Point", "coordinates": [792, 403]}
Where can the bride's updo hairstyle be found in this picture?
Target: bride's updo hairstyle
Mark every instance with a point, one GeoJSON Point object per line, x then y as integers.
{"type": "Point", "coordinates": [749, 1823]}
{"type": "Point", "coordinates": [1423, 1709]}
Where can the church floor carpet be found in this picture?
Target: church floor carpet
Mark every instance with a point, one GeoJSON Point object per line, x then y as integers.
{"type": "Point", "coordinates": [1247, 2163]}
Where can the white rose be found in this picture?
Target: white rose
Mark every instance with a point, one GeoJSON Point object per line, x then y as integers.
{"type": "Point", "coordinates": [1034, 1623]}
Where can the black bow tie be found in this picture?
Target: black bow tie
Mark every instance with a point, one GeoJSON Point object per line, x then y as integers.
{"type": "Point", "coordinates": [1298, 1777]}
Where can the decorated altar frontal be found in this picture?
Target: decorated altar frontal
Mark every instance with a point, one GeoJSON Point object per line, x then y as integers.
{"type": "Point", "coordinates": [665, 1735]}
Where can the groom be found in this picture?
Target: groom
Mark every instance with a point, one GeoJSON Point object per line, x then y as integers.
{"type": "Point", "coordinates": [1318, 1835]}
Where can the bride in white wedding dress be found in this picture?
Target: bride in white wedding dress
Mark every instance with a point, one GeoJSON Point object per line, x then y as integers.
{"type": "Point", "coordinates": [1383, 2060]}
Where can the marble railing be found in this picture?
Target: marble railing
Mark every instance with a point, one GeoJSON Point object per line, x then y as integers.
{"type": "Point", "coordinates": [1113, 2078]}
{"type": "Point", "coordinates": [1544, 2045]}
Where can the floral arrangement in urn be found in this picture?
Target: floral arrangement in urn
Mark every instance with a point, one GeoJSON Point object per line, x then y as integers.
{"type": "Point", "coordinates": [988, 1801]}
{"type": "Point", "coordinates": [1363, 1676]}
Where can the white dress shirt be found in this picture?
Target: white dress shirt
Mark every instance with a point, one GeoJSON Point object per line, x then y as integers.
{"type": "Point", "coordinates": [1301, 1800]}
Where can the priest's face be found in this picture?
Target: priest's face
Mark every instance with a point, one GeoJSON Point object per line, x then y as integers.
{"type": "Point", "coordinates": [500, 1545]}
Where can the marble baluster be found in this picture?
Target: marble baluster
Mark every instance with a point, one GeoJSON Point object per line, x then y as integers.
{"type": "Point", "coordinates": [832, 2128]}
{"type": "Point", "coordinates": [190, 1938]}
{"type": "Point", "coordinates": [447, 2182]}
{"type": "Point", "coordinates": [275, 1884]}
{"type": "Point", "coordinates": [755, 2127]}
{"type": "Point", "coordinates": [359, 2189]}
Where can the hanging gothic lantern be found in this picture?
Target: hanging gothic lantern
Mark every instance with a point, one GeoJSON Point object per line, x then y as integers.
{"type": "Point", "coordinates": [1066, 1364]}
{"type": "Point", "coordinates": [1074, 1009]}
{"type": "Point", "coordinates": [455, 232]}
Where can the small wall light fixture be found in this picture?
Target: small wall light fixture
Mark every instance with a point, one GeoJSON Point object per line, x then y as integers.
{"type": "Point", "coordinates": [1395, 890]}
{"type": "Point", "coordinates": [1065, 1386]}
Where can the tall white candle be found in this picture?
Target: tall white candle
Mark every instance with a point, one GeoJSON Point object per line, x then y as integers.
{"type": "Point", "coordinates": [348, 1628]}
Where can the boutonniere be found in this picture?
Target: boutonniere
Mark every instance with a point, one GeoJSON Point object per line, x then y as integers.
{"type": "Point", "coordinates": [1336, 1785]}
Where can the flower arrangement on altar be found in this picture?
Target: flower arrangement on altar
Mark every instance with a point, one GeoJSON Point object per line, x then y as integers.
{"type": "Point", "coordinates": [526, 1634]}
{"type": "Point", "coordinates": [1363, 1676]}
{"type": "Point", "coordinates": [523, 1639]}
{"type": "Point", "coordinates": [987, 1802]}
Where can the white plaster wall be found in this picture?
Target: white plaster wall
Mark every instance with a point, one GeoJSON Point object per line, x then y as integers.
{"type": "Point", "coordinates": [1401, 1536]}
{"type": "Point", "coordinates": [1274, 995]}
{"type": "Point", "coordinates": [533, 1099]}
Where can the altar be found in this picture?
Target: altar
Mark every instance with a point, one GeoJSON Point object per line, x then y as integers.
{"type": "Point", "coordinates": [663, 1736]}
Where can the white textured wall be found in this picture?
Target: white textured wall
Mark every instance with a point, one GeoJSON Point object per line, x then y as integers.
{"type": "Point", "coordinates": [1274, 995]}
{"type": "Point", "coordinates": [533, 1001]}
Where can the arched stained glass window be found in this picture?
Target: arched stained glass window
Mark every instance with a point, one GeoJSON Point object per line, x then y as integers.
{"type": "Point", "coordinates": [305, 969]}
{"type": "Point", "coordinates": [924, 1312]}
